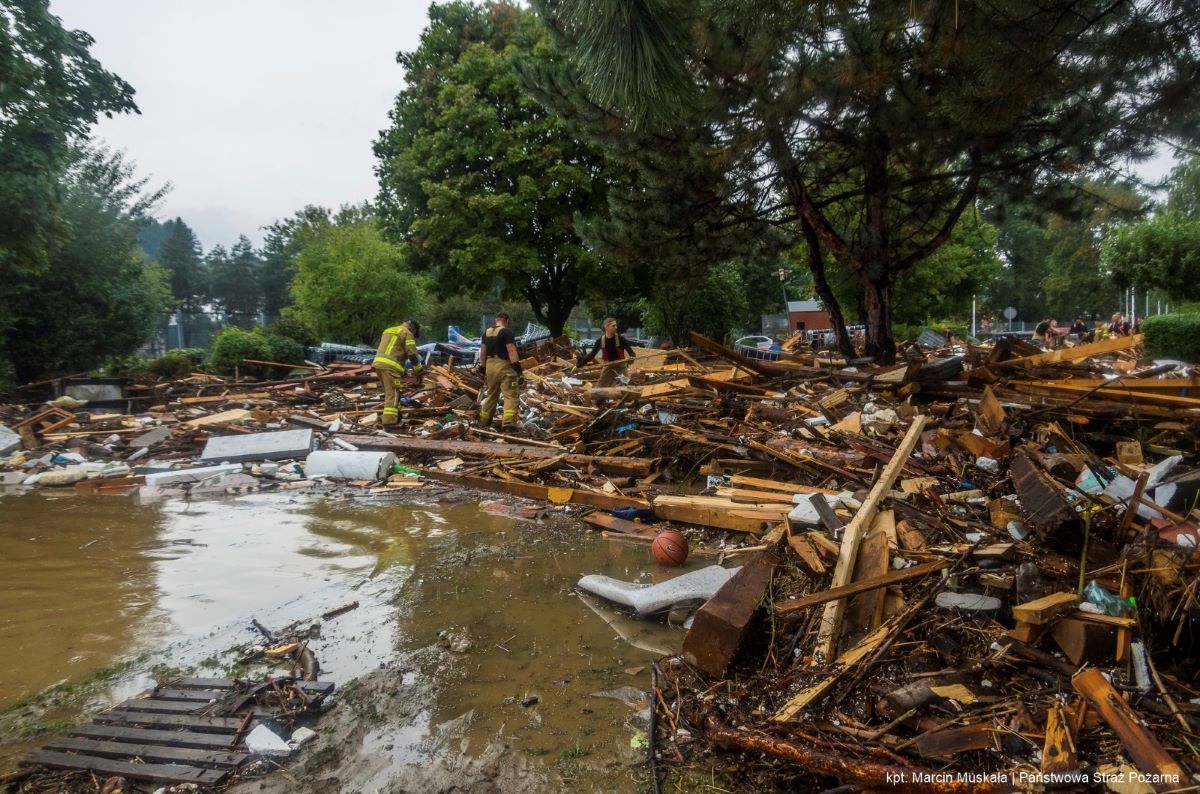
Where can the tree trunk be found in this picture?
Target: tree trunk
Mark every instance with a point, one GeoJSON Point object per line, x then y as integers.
{"type": "Point", "coordinates": [816, 267]}
{"type": "Point", "coordinates": [877, 308]}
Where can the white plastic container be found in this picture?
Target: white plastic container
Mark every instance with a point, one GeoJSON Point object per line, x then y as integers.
{"type": "Point", "coordinates": [344, 465]}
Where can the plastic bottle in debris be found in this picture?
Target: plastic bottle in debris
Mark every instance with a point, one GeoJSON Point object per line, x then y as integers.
{"type": "Point", "coordinates": [1029, 582]}
{"type": "Point", "coordinates": [1108, 603]}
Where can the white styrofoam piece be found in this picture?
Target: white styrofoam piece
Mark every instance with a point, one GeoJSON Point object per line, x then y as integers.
{"type": "Point", "coordinates": [690, 589]}
{"type": "Point", "coordinates": [160, 478]}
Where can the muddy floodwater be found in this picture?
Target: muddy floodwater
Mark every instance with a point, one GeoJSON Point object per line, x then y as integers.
{"type": "Point", "coordinates": [470, 661]}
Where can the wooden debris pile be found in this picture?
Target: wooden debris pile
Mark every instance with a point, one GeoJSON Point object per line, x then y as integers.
{"type": "Point", "coordinates": [981, 561]}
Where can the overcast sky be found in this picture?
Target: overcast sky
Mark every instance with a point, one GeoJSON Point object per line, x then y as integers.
{"type": "Point", "coordinates": [251, 108]}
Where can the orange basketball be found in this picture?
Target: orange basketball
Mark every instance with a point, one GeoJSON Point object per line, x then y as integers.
{"type": "Point", "coordinates": [669, 548]}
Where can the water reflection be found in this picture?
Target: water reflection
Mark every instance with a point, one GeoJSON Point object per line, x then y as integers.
{"type": "Point", "coordinates": [74, 584]}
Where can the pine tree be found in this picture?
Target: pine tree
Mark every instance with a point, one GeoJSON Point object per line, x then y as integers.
{"type": "Point", "coordinates": [879, 124]}
{"type": "Point", "coordinates": [179, 254]}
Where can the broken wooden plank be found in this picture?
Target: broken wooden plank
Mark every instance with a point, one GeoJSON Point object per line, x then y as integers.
{"type": "Point", "coordinates": [1084, 640]}
{"type": "Point", "coordinates": [865, 610]}
{"type": "Point", "coordinates": [991, 411]}
{"type": "Point", "coordinates": [844, 663]}
{"type": "Point", "coordinates": [790, 488]}
{"type": "Point", "coordinates": [613, 524]}
{"type": "Point", "coordinates": [718, 626]}
{"type": "Point", "coordinates": [806, 552]}
{"type": "Point", "coordinates": [187, 682]}
{"type": "Point", "coordinates": [1058, 750]}
{"type": "Point", "coordinates": [1109, 391]}
{"type": "Point", "coordinates": [173, 738]}
{"type": "Point", "coordinates": [1138, 741]}
{"type": "Point", "coordinates": [609, 464]}
{"type": "Point", "coordinates": [1111, 345]}
{"type": "Point", "coordinates": [1042, 610]}
{"type": "Point", "coordinates": [148, 753]}
{"type": "Point", "coordinates": [191, 722]}
{"type": "Point", "coordinates": [977, 736]}
{"type": "Point", "coordinates": [162, 706]}
{"type": "Point", "coordinates": [831, 621]}
{"type": "Point", "coordinates": [788, 609]}
{"type": "Point", "coordinates": [234, 415]}
{"type": "Point", "coordinates": [159, 773]}
{"type": "Point", "coordinates": [722, 514]}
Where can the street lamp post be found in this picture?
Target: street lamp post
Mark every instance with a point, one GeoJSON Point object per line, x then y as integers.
{"type": "Point", "coordinates": [787, 316]}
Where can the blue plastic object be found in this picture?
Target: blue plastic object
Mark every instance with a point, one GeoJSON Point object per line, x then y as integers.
{"type": "Point", "coordinates": [635, 513]}
{"type": "Point", "coordinates": [1111, 603]}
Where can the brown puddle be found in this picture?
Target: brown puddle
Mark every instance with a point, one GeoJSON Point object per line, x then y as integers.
{"type": "Point", "coordinates": [86, 582]}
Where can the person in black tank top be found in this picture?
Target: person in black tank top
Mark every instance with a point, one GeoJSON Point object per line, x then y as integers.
{"type": "Point", "coordinates": [501, 373]}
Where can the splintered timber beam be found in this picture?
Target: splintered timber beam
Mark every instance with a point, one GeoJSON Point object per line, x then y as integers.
{"type": "Point", "coordinates": [635, 467]}
{"type": "Point", "coordinates": [787, 609]}
{"type": "Point", "coordinates": [720, 513]}
{"type": "Point", "coordinates": [868, 775]}
{"type": "Point", "coordinates": [1139, 742]}
{"type": "Point", "coordinates": [718, 626]}
{"type": "Point", "coordinates": [831, 621]}
{"type": "Point", "coordinates": [1079, 352]}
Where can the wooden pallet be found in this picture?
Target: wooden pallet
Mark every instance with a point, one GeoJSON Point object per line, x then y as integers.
{"type": "Point", "coordinates": [164, 736]}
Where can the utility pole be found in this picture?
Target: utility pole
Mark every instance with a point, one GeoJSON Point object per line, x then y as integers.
{"type": "Point", "coordinates": [787, 316]}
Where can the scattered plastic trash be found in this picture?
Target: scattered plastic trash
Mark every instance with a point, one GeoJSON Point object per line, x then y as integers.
{"type": "Point", "coordinates": [1106, 603]}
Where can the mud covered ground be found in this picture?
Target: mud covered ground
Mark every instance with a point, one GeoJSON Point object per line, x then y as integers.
{"type": "Point", "coordinates": [469, 665]}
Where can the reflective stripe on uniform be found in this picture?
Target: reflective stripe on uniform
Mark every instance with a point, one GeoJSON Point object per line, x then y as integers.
{"type": "Point", "coordinates": [386, 361]}
{"type": "Point", "coordinates": [391, 411]}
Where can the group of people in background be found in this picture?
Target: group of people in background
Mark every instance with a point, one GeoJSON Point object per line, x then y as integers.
{"type": "Point", "coordinates": [499, 363]}
{"type": "Point", "coordinates": [1050, 334]}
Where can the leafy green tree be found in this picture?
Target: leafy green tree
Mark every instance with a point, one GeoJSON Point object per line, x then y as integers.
{"type": "Point", "coordinates": [151, 234]}
{"type": "Point", "coordinates": [1024, 249]}
{"type": "Point", "coordinates": [98, 297]}
{"type": "Point", "coordinates": [350, 284]}
{"type": "Point", "coordinates": [1183, 198]}
{"type": "Point", "coordinates": [51, 92]}
{"type": "Point", "coordinates": [281, 244]}
{"type": "Point", "coordinates": [967, 265]}
{"type": "Point", "coordinates": [1077, 282]}
{"type": "Point", "coordinates": [715, 304]}
{"type": "Point", "coordinates": [479, 180]}
{"type": "Point", "coordinates": [880, 124]}
{"type": "Point", "coordinates": [1161, 253]}
{"type": "Point", "coordinates": [234, 282]}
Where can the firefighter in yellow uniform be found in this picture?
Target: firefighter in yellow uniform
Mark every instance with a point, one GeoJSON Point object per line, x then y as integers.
{"type": "Point", "coordinates": [396, 357]}
{"type": "Point", "coordinates": [502, 372]}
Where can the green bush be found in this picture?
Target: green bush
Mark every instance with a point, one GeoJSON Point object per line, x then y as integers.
{"type": "Point", "coordinates": [294, 329]}
{"type": "Point", "coordinates": [172, 364]}
{"type": "Point", "coordinates": [233, 345]}
{"type": "Point", "coordinates": [1173, 336]}
{"type": "Point", "coordinates": [196, 355]}
{"type": "Point", "coordinates": [284, 349]}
